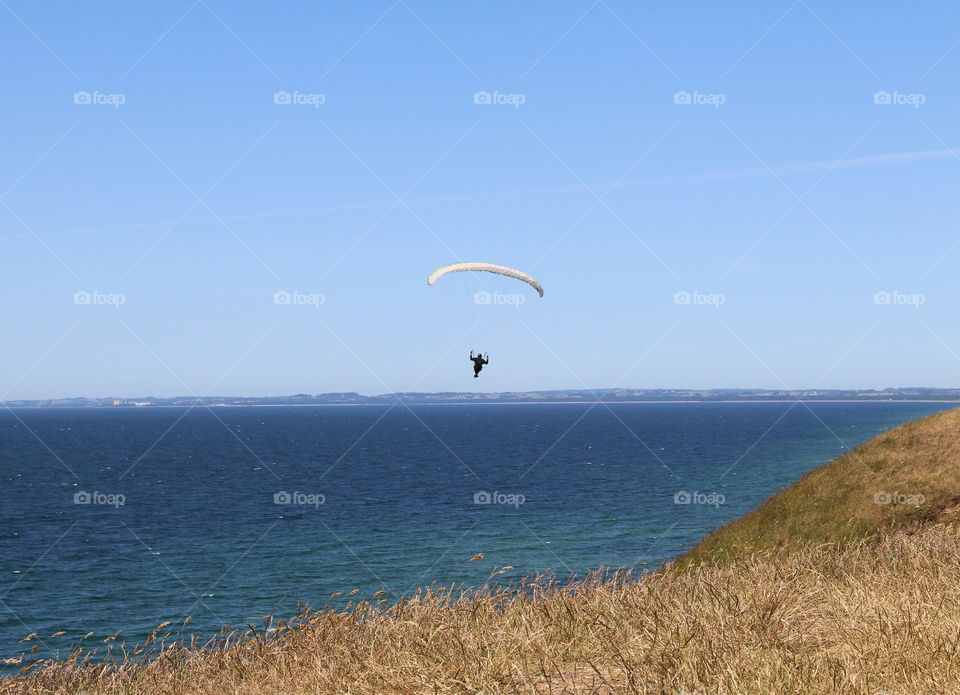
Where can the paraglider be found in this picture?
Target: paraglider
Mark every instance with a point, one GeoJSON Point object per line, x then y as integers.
{"type": "Point", "coordinates": [478, 362]}
{"type": "Point", "coordinates": [480, 359]}
{"type": "Point", "coordinates": [487, 268]}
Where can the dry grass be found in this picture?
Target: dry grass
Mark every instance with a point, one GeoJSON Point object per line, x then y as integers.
{"type": "Point", "coordinates": [876, 609]}
{"type": "Point", "coordinates": [836, 502]}
{"type": "Point", "coordinates": [875, 616]}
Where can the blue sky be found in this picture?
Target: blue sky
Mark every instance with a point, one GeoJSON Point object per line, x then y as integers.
{"type": "Point", "coordinates": [794, 224]}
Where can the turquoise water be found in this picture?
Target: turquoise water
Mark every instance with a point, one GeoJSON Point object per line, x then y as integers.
{"type": "Point", "coordinates": [119, 519]}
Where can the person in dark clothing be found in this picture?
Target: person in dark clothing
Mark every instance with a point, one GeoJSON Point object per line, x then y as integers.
{"type": "Point", "coordinates": [478, 363]}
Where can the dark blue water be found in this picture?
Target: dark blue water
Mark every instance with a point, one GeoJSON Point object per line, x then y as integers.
{"type": "Point", "coordinates": [377, 499]}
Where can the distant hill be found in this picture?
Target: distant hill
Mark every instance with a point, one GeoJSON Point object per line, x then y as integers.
{"type": "Point", "coordinates": [609, 395]}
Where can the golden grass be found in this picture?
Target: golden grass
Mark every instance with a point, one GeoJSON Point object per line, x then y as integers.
{"type": "Point", "coordinates": [836, 502]}
{"type": "Point", "coordinates": [874, 609]}
{"type": "Point", "coordinates": [878, 615]}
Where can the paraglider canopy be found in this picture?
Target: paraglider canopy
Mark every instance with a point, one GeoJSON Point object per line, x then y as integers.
{"type": "Point", "coordinates": [488, 268]}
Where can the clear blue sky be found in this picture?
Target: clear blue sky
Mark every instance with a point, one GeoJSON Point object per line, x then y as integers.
{"type": "Point", "coordinates": [199, 197]}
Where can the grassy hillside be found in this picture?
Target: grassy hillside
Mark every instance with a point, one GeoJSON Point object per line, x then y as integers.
{"type": "Point", "coordinates": [902, 478]}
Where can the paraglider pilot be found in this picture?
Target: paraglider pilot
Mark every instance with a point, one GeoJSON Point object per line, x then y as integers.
{"type": "Point", "coordinates": [478, 363]}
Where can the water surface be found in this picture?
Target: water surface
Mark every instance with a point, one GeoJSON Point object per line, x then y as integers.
{"type": "Point", "coordinates": [227, 514]}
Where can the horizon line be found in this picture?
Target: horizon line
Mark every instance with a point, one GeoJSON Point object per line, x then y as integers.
{"type": "Point", "coordinates": [891, 389]}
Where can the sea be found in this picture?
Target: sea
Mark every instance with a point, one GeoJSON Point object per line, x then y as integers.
{"type": "Point", "coordinates": [119, 519]}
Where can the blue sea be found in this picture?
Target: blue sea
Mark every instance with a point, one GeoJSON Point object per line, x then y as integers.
{"type": "Point", "coordinates": [119, 519]}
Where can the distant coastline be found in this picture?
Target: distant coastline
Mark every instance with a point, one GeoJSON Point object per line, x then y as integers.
{"type": "Point", "coordinates": [554, 397]}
